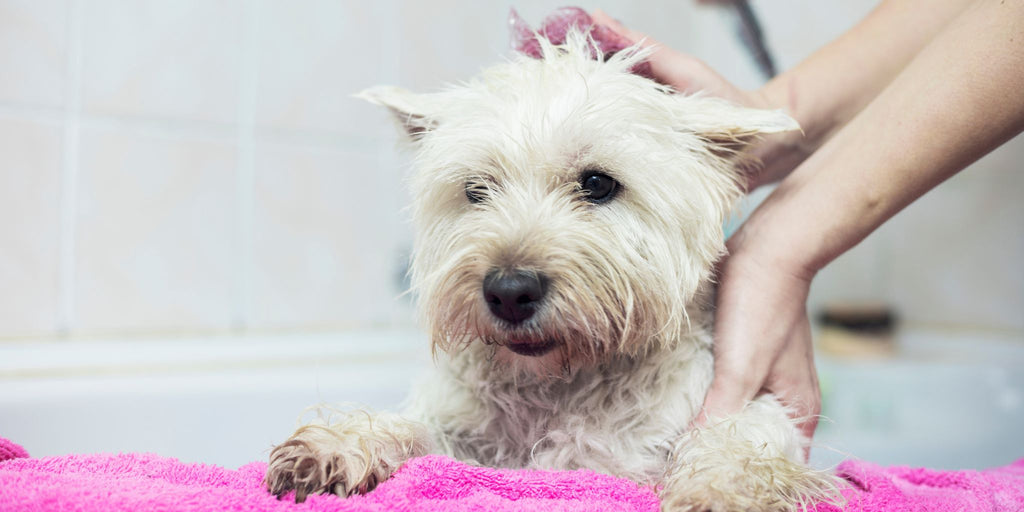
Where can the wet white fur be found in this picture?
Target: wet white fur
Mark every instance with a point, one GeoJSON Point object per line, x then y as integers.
{"type": "Point", "coordinates": [626, 300]}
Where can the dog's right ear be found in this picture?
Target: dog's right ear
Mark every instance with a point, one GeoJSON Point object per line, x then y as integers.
{"type": "Point", "coordinates": [408, 108]}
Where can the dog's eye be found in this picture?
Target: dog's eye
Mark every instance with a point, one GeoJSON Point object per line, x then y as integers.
{"type": "Point", "coordinates": [475, 191]}
{"type": "Point", "coordinates": [598, 187]}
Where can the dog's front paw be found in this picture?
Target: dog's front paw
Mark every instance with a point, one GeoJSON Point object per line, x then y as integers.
{"type": "Point", "coordinates": [298, 465]}
{"type": "Point", "coordinates": [748, 484]}
{"type": "Point", "coordinates": [344, 458]}
{"type": "Point", "coordinates": [719, 469]}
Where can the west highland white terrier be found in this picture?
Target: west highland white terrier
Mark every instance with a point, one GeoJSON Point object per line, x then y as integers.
{"type": "Point", "coordinates": [568, 213]}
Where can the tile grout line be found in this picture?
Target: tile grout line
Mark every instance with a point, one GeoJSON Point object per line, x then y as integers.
{"type": "Point", "coordinates": [69, 173]}
{"type": "Point", "coordinates": [39, 114]}
{"type": "Point", "coordinates": [245, 173]}
{"type": "Point", "coordinates": [198, 130]}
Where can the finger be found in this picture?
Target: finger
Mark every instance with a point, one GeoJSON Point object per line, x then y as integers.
{"type": "Point", "coordinates": [798, 389]}
{"type": "Point", "coordinates": [740, 369]}
{"type": "Point", "coordinates": [679, 70]}
{"type": "Point", "coordinates": [804, 407]}
{"type": "Point", "coordinates": [602, 18]}
{"type": "Point", "coordinates": [806, 410]}
{"type": "Point", "coordinates": [721, 401]}
{"type": "Point", "coordinates": [794, 382]}
{"type": "Point", "coordinates": [730, 391]}
{"type": "Point", "coordinates": [813, 411]}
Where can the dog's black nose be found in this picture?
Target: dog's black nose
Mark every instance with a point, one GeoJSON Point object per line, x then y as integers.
{"type": "Point", "coordinates": [514, 296]}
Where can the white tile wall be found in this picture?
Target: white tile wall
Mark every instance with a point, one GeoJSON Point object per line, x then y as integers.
{"type": "Point", "coordinates": [154, 232]}
{"type": "Point", "coordinates": [444, 41]}
{"type": "Point", "coordinates": [165, 59]}
{"type": "Point", "coordinates": [956, 256]}
{"type": "Point", "coordinates": [312, 57]}
{"type": "Point", "coordinates": [200, 164]}
{"type": "Point", "coordinates": [30, 187]}
{"type": "Point", "coordinates": [324, 238]}
{"type": "Point", "coordinates": [33, 51]}
{"type": "Point", "coordinates": [794, 31]}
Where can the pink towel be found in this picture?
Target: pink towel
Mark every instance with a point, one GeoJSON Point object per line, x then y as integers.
{"type": "Point", "coordinates": [9, 450]}
{"type": "Point", "coordinates": [903, 489]}
{"type": "Point", "coordinates": [135, 482]}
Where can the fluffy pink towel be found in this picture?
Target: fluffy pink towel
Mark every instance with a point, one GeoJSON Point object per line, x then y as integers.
{"type": "Point", "coordinates": [903, 489]}
{"type": "Point", "coordinates": [138, 482]}
{"type": "Point", "coordinates": [135, 482]}
{"type": "Point", "coordinates": [9, 450]}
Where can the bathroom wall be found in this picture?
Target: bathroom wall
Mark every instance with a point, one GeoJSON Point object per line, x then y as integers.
{"type": "Point", "coordinates": [198, 166]}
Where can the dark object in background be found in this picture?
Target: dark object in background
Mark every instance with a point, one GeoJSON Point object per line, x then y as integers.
{"type": "Point", "coordinates": [857, 330]}
{"type": "Point", "coordinates": [748, 28]}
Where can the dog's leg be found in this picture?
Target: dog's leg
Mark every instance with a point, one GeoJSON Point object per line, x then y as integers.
{"type": "Point", "coordinates": [750, 461]}
{"type": "Point", "coordinates": [351, 454]}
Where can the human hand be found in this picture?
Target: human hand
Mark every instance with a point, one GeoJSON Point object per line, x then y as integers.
{"type": "Point", "coordinates": [778, 153]}
{"type": "Point", "coordinates": [762, 336]}
{"type": "Point", "coordinates": [685, 73]}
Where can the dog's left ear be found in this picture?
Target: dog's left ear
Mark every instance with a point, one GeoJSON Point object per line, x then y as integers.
{"type": "Point", "coordinates": [727, 128]}
{"type": "Point", "coordinates": [410, 109]}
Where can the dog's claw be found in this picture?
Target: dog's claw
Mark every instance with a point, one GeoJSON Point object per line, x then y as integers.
{"type": "Point", "coordinates": [293, 466]}
{"type": "Point", "coordinates": [352, 456]}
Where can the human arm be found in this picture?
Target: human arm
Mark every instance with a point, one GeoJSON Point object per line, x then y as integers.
{"type": "Point", "coordinates": [824, 91]}
{"type": "Point", "coordinates": [959, 98]}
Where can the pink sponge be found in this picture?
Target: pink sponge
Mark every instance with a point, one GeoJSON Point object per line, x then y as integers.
{"type": "Point", "coordinates": [557, 25]}
{"type": "Point", "coordinates": [9, 450]}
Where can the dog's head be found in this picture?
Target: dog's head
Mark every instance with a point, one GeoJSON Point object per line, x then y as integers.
{"type": "Point", "coordinates": [565, 209]}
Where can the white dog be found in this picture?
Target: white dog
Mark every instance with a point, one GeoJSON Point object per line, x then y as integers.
{"type": "Point", "coordinates": [568, 214]}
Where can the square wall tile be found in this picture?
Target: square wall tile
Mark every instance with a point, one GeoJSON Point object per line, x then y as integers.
{"type": "Point", "coordinates": [857, 276]}
{"type": "Point", "coordinates": [313, 56]}
{"type": "Point", "coordinates": [795, 30]}
{"type": "Point", "coordinates": [33, 51]}
{"type": "Point", "coordinates": [154, 232]}
{"type": "Point", "coordinates": [177, 59]}
{"type": "Point", "coordinates": [326, 250]}
{"type": "Point", "coordinates": [30, 193]}
{"type": "Point", "coordinates": [446, 41]}
{"type": "Point", "coordinates": [958, 260]}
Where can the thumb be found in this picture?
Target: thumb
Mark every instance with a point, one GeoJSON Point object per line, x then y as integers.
{"type": "Point", "coordinates": [726, 396]}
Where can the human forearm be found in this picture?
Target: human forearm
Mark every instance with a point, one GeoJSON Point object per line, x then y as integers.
{"type": "Point", "coordinates": [957, 100]}
{"type": "Point", "coordinates": [831, 86]}
{"type": "Point", "coordinates": [959, 97]}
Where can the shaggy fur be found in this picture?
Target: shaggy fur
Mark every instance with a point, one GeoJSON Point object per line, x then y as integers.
{"type": "Point", "coordinates": [625, 303]}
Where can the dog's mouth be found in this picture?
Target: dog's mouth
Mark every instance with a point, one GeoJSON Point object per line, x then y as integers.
{"type": "Point", "coordinates": [531, 348]}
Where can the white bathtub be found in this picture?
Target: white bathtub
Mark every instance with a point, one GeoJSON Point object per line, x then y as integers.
{"type": "Point", "coordinates": [218, 400]}
{"type": "Point", "coordinates": [947, 401]}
